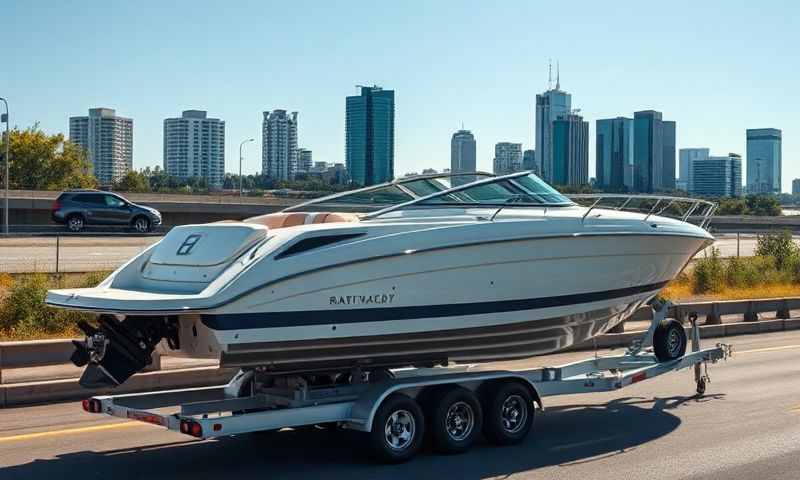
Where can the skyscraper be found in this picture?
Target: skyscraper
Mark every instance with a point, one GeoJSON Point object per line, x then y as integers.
{"type": "Point", "coordinates": [550, 105]}
{"type": "Point", "coordinates": [717, 176]}
{"type": "Point", "coordinates": [796, 186]}
{"type": "Point", "coordinates": [369, 136]}
{"type": "Point", "coordinates": [108, 141]}
{"type": "Point", "coordinates": [507, 158]}
{"type": "Point", "coordinates": [305, 159]}
{"type": "Point", "coordinates": [763, 160]}
{"type": "Point", "coordinates": [194, 146]}
{"type": "Point", "coordinates": [570, 150]}
{"type": "Point", "coordinates": [279, 145]}
{"type": "Point", "coordinates": [529, 161]}
{"type": "Point", "coordinates": [687, 157]}
{"type": "Point", "coordinates": [614, 154]}
{"type": "Point", "coordinates": [668, 156]}
{"type": "Point", "coordinates": [654, 152]}
{"type": "Point", "coordinates": [462, 152]}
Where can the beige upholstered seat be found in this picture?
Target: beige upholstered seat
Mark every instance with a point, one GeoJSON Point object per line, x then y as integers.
{"type": "Point", "coordinates": [283, 220]}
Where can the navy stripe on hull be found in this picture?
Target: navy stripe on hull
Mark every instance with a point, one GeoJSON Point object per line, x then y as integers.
{"type": "Point", "coordinates": [299, 318]}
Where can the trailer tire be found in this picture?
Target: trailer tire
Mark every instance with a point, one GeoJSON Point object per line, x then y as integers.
{"type": "Point", "coordinates": [669, 340]}
{"type": "Point", "coordinates": [398, 429]}
{"type": "Point", "coordinates": [456, 417]}
{"type": "Point", "coordinates": [507, 413]}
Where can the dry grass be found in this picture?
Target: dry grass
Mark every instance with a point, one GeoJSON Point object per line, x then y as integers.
{"type": "Point", "coordinates": [682, 290]}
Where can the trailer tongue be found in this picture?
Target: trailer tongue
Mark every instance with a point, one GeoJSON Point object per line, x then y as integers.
{"type": "Point", "coordinates": [395, 407]}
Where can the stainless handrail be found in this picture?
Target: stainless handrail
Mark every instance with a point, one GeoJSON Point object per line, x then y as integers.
{"type": "Point", "coordinates": [706, 208]}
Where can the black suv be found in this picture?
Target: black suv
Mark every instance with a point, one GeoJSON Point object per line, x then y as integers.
{"type": "Point", "coordinates": [78, 208]}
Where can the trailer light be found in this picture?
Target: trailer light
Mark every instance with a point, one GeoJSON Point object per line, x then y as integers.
{"type": "Point", "coordinates": [217, 427]}
{"type": "Point", "coordinates": [91, 405]}
{"type": "Point", "coordinates": [184, 427]}
{"type": "Point", "coordinates": [196, 430]}
{"type": "Point", "coordinates": [639, 377]}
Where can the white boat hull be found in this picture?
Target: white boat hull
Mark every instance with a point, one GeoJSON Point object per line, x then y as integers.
{"type": "Point", "coordinates": [473, 303]}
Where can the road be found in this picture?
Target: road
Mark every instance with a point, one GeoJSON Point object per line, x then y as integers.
{"type": "Point", "coordinates": [82, 254]}
{"type": "Point", "coordinates": [747, 426]}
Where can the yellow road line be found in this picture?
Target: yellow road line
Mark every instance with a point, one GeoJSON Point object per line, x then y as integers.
{"type": "Point", "coordinates": [53, 433]}
{"type": "Point", "coordinates": [768, 349]}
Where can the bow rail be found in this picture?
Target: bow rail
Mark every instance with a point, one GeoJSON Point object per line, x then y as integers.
{"type": "Point", "coordinates": [678, 207]}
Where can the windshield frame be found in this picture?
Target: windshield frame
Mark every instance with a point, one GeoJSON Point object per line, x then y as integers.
{"type": "Point", "coordinates": [397, 183]}
{"type": "Point", "coordinates": [459, 188]}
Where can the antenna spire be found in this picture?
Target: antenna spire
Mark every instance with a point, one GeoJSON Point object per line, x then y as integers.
{"type": "Point", "coordinates": [558, 75]}
{"type": "Point", "coordinates": [549, 73]}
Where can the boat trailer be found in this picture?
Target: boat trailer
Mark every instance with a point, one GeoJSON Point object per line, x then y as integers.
{"type": "Point", "coordinates": [395, 407]}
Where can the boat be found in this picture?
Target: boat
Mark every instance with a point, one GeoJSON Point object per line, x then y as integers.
{"type": "Point", "coordinates": [420, 271]}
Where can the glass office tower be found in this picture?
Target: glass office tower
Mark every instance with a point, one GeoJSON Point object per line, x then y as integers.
{"type": "Point", "coordinates": [369, 136]}
{"type": "Point", "coordinates": [763, 160]}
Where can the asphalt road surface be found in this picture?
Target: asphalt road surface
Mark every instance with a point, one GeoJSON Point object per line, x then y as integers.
{"type": "Point", "coordinates": [82, 254]}
{"type": "Point", "coordinates": [747, 426]}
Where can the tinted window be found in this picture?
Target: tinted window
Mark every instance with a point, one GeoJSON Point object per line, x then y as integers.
{"type": "Point", "coordinates": [93, 198]}
{"type": "Point", "coordinates": [528, 190]}
{"type": "Point", "coordinates": [113, 201]}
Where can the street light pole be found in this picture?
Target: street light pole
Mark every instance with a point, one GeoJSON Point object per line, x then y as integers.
{"type": "Point", "coordinates": [241, 179]}
{"type": "Point", "coordinates": [7, 161]}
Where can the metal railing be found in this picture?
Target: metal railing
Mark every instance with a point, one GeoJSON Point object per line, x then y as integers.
{"type": "Point", "coordinates": [649, 205]}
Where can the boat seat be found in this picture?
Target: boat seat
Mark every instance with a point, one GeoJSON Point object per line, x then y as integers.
{"type": "Point", "coordinates": [283, 220]}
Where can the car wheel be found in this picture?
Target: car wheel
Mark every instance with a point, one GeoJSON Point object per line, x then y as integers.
{"type": "Point", "coordinates": [141, 224]}
{"type": "Point", "coordinates": [75, 223]}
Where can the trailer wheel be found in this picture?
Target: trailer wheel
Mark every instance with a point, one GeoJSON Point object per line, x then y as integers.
{"type": "Point", "coordinates": [507, 413]}
{"type": "Point", "coordinates": [669, 340]}
{"type": "Point", "coordinates": [397, 429]}
{"type": "Point", "coordinates": [456, 417]}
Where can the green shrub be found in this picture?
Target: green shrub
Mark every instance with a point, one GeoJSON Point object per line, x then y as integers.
{"type": "Point", "coordinates": [709, 274]}
{"type": "Point", "coordinates": [24, 314]}
{"type": "Point", "coordinates": [751, 271]}
{"type": "Point", "coordinates": [778, 245]}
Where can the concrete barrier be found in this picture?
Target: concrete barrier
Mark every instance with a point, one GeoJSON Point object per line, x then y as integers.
{"type": "Point", "coordinates": [42, 353]}
{"type": "Point", "coordinates": [17, 394]}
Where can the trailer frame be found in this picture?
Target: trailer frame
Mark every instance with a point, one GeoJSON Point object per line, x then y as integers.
{"type": "Point", "coordinates": [241, 406]}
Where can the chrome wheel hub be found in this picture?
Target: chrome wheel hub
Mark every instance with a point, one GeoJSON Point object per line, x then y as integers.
{"type": "Point", "coordinates": [459, 421]}
{"type": "Point", "coordinates": [513, 413]}
{"type": "Point", "coordinates": [674, 342]}
{"type": "Point", "coordinates": [400, 429]}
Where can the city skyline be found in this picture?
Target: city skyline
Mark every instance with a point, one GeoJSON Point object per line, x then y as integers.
{"type": "Point", "coordinates": [144, 79]}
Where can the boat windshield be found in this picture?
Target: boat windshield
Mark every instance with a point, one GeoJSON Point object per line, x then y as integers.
{"type": "Point", "coordinates": [521, 189]}
{"type": "Point", "coordinates": [377, 197]}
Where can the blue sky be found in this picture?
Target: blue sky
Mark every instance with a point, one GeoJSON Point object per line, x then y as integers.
{"type": "Point", "coordinates": [715, 67]}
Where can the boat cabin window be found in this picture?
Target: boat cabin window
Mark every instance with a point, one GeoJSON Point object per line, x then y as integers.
{"type": "Point", "coordinates": [523, 190]}
{"type": "Point", "coordinates": [427, 186]}
{"type": "Point", "coordinates": [361, 200]}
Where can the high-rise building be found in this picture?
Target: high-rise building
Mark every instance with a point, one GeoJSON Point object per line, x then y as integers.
{"type": "Point", "coordinates": [717, 176]}
{"type": "Point", "coordinates": [108, 141]}
{"type": "Point", "coordinates": [550, 105]}
{"type": "Point", "coordinates": [763, 160]}
{"type": "Point", "coordinates": [529, 161]}
{"type": "Point", "coordinates": [614, 154]}
{"type": "Point", "coordinates": [687, 156]}
{"type": "Point", "coordinates": [369, 136]}
{"type": "Point", "coordinates": [796, 186]}
{"type": "Point", "coordinates": [462, 152]}
{"type": "Point", "coordinates": [305, 159]}
{"type": "Point", "coordinates": [194, 147]}
{"type": "Point", "coordinates": [507, 158]}
{"type": "Point", "coordinates": [279, 145]}
{"type": "Point", "coordinates": [570, 151]}
{"type": "Point", "coordinates": [668, 156]}
{"type": "Point", "coordinates": [654, 152]}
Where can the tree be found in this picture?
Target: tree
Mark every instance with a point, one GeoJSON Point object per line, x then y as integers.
{"type": "Point", "coordinates": [133, 181]}
{"type": "Point", "coordinates": [47, 162]}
